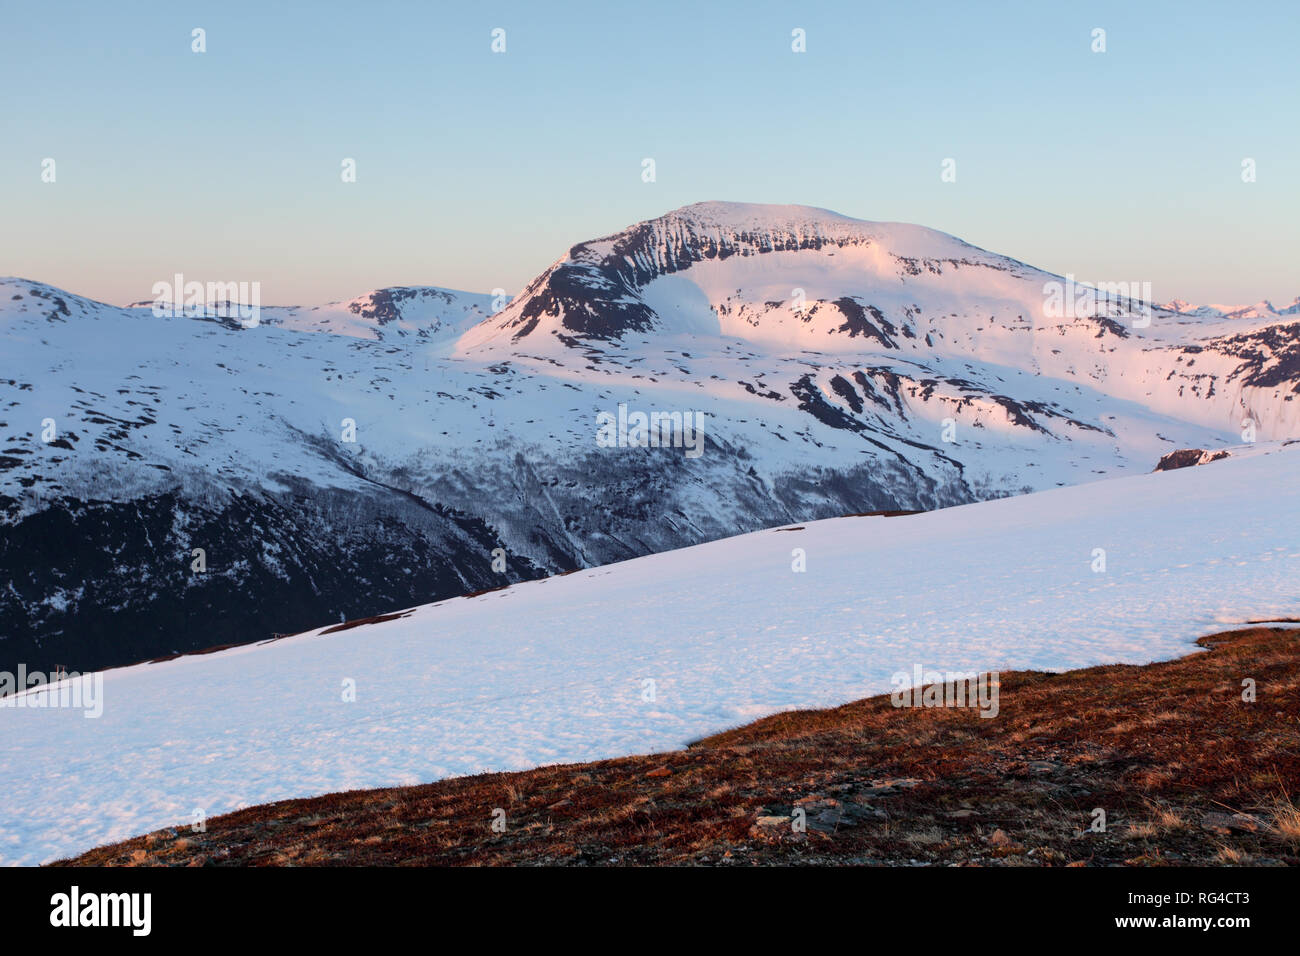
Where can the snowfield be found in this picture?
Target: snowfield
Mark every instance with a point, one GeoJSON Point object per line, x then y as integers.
{"type": "Point", "coordinates": [556, 670]}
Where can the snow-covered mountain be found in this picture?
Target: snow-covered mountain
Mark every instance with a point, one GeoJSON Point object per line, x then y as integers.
{"type": "Point", "coordinates": [1263, 309]}
{"type": "Point", "coordinates": [648, 654]}
{"type": "Point", "coordinates": [425, 313]}
{"type": "Point", "coordinates": [797, 281]}
{"type": "Point", "coordinates": [839, 366]}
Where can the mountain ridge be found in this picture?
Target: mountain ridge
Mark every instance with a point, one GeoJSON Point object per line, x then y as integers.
{"type": "Point", "coordinates": [839, 368]}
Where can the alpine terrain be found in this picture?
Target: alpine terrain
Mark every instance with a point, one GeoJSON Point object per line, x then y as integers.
{"type": "Point", "coordinates": [174, 483]}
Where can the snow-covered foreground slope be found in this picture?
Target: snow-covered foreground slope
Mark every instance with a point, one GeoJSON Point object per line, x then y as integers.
{"type": "Point", "coordinates": [556, 670]}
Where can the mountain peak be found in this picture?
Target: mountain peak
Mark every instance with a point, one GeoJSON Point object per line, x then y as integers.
{"type": "Point", "coordinates": [716, 211]}
{"type": "Point", "coordinates": [606, 288]}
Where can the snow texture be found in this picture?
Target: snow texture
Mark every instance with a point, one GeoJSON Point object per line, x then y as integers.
{"type": "Point", "coordinates": [555, 670]}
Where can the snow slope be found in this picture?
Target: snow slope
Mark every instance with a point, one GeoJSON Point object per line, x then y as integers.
{"type": "Point", "coordinates": [426, 313]}
{"type": "Point", "coordinates": [554, 670]}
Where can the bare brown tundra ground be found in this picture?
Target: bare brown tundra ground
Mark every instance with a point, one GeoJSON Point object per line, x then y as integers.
{"type": "Point", "coordinates": [1186, 771]}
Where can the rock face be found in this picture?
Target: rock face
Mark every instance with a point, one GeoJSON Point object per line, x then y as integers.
{"type": "Point", "coordinates": [1187, 457]}
{"type": "Point", "coordinates": [414, 444]}
{"type": "Point", "coordinates": [98, 584]}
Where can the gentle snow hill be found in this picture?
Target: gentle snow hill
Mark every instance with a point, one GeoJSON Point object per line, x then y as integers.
{"type": "Point", "coordinates": [556, 670]}
{"type": "Point", "coordinates": [423, 312]}
{"type": "Point", "coordinates": [840, 367]}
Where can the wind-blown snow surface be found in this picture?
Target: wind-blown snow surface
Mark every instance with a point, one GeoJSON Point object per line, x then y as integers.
{"type": "Point", "coordinates": [553, 670]}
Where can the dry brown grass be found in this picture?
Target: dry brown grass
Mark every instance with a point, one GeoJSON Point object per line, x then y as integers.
{"type": "Point", "coordinates": [1232, 856]}
{"type": "Point", "coordinates": [1168, 750]}
{"type": "Point", "coordinates": [1286, 820]}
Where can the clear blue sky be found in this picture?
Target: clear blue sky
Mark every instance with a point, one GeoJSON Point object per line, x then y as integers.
{"type": "Point", "coordinates": [477, 170]}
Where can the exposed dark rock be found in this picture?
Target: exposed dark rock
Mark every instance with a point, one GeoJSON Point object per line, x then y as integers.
{"type": "Point", "coordinates": [1187, 457]}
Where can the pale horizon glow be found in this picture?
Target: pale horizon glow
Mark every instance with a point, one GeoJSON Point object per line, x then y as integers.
{"type": "Point", "coordinates": [477, 170]}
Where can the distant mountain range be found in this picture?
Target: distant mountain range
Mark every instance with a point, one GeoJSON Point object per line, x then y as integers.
{"type": "Point", "coordinates": [1263, 309]}
{"type": "Point", "coordinates": [345, 459]}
